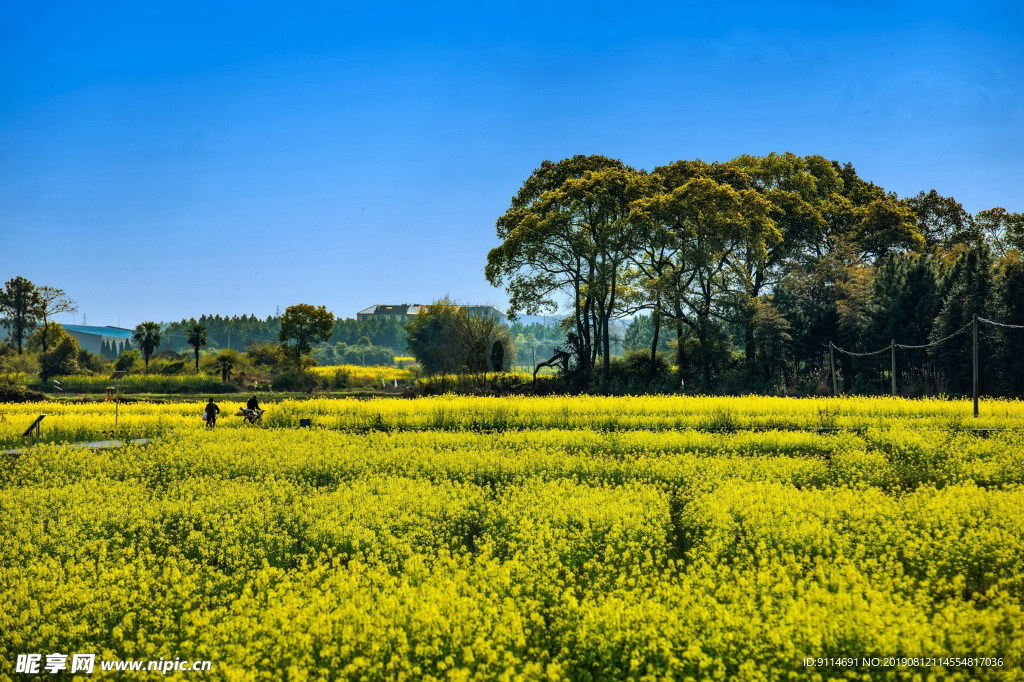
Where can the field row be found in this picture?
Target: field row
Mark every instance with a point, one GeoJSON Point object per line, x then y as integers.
{"type": "Point", "coordinates": [67, 422]}
{"type": "Point", "coordinates": [889, 459]}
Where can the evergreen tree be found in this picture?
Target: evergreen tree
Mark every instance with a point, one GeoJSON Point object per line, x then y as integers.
{"type": "Point", "coordinates": [968, 292]}
{"type": "Point", "coordinates": [906, 297]}
{"type": "Point", "coordinates": [1009, 309]}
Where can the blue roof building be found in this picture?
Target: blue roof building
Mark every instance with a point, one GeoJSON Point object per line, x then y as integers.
{"type": "Point", "coordinates": [107, 341]}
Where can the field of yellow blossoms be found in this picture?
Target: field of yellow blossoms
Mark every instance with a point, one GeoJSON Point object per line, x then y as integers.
{"type": "Point", "coordinates": [581, 538]}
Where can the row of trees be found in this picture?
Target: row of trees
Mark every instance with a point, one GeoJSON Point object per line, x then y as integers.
{"type": "Point", "coordinates": [752, 265]}
{"type": "Point", "coordinates": [240, 332]}
{"type": "Point", "coordinates": [300, 327]}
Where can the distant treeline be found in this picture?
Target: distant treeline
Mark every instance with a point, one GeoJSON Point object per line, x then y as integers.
{"type": "Point", "coordinates": [352, 341]}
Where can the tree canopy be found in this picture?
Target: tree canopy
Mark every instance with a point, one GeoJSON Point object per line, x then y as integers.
{"type": "Point", "coordinates": [302, 325]}
{"type": "Point", "coordinates": [754, 264]}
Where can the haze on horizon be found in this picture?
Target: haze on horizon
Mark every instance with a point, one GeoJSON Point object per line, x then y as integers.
{"type": "Point", "coordinates": [162, 162]}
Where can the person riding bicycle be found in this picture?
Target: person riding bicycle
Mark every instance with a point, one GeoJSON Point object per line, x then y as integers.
{"type": "Point", "coordinates": [211, 413]}
{"type": "Point", "coordinates": [251, 411]}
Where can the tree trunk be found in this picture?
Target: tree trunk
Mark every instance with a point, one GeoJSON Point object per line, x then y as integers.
{"type": "Point", "coordinates": [606, 364]}
{"type": "Point", "coordinates": [748, 343]}
{"type": "Point", "coordinates": [679, 351]}
{"type": "Point", "coordinates": [705, 352]}
{"type": "Point", "coordinates": [656, 323]}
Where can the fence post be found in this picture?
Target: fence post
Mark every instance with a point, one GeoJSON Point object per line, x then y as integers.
{"type": "Point", "coordinates": [892, 371]}
{"type": "Point", "coordinates": [974, 330]}
{"type": "Point", "coordinates": [832, 362]}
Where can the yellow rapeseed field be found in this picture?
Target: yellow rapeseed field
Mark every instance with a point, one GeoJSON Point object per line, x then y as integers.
{"type": "Point", "coordinates": [583, 538]}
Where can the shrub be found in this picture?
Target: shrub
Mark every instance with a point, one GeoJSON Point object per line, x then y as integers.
{"type": "Point", "coordinates": [633, 371]}
{"type": "Point", "coordinates": [128, 360]}
{"type": "Point", "coordinates": [63, 359]}
{"type": "Point", "coordinates": [297, 380]}
{"type": "Point", "coordinates": [12, 391]}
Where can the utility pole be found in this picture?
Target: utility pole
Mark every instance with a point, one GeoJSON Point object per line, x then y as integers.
{"type": "Point", "coordinates": [832, 362]}
{"type": "Point", "coordinates": [974, 333]}
{"type": "Point", "coordinates": [892, 371]}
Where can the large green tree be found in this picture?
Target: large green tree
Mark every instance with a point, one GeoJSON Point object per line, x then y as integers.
{"type": "Point", "coordinates": [797, 189]}
{"type": "Point", "coordinates": [147, 337]}
{"type": "Point", "coordinates": [943, 221]}
{"type": "Point", "coordinates": [707, 222]}
{"type": "Point", "coordinates": [51, 302]}
{"type": "Point", "coordinates": [1001, 229]}
{"type": "Point", "coordinates": [20, 306]}
{"type": "Point", "coordinates": [302, 326]}
{"type": "Point", "coordinates": [568, 233]}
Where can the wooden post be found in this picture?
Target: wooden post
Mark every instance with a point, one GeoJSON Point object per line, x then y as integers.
{"type": "Point", "coordinates": [892, 370]}
{"type": "Point", "coordinates": [974, 326]}
{"type": "Point", "coordinates": [832, 362]}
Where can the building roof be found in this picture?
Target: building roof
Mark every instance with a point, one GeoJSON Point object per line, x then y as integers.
{"type": "Point", "coordinates": [113, 332]}
{"type": "Point", "coordinates": [414, 309]}
{"type": "Point", "coordinates": [391, 309]}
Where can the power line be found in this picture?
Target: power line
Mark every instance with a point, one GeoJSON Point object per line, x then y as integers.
{"type": "Point", "coordinates": [975, 364]}
{"type": "Point", "coordinates": [912, 346]}
{"type": "Point", "coordinates": [1001, 324]}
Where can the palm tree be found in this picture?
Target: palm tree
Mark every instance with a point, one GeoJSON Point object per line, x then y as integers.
{"type": "Point", "coordinates": [197, 339]}
{"type": "Point", "coordinates": [147, 336]}
{"type": "Point", "coordinates": [225, 363]}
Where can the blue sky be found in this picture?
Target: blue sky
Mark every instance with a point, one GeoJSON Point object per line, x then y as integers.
{"type": "Point", "coordinates": [165, 160]}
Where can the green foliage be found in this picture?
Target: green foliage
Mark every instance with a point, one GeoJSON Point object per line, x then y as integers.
{"type": "Point", "coordinates": [61, 359]}
{"type": "Point", "coordinates": [299, 379]}
{"type": "Point", "coordinates": [129, 360]}
{"type": "Point", "coordinates": [19, 309]}
{"type": "Point", "coordinates": [343, 354]}
{"type": "Point", "coordinates": [93, 363]}
{"type": "Point", "coordinates": [303, 325]}
{"type": "Point", "coordinates": [268, 356]}
{"type": "Point", "coordinates": [45, 336]}
{"type": "Point", "coordinates": [431, 335]}
{"type": "Point", "coordinates": [197, 338]}
{"type": "Point", "coordinates": [51, 302]}
{"type": "Point", "coordinates": [387, 332]}
{"type": "Point", "coordinates": [943, 222]}
{"type": "Point", "coordinates": [1009, 308]}
{"type": "Point", "coordinates": [968, 292]}
{"type": "Point", "coordinates": [14, 391]}
{"type": "Point", "coordinates": [1002, 229]}
{"type": "Point", "coordinates": [640, 334]}
{"type": "Point", "coordinates": [225, 362]}
{"type": "Point", "coordinates": [147, 337]}
{"type": "Point", "coordinates": [569, 230]}
{"type": "Point", "coordinates": [633, 372]}
{"type": "Point", "coordinates": [445, 339]}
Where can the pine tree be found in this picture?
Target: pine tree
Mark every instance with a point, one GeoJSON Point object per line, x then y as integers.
{"type": "Point", "coordinates": [968, 293]}
{"type": "Point", "coordinates": [1009, 309]}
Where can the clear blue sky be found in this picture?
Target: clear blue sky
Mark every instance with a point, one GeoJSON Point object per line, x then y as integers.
{"type": "Point", "coordinates": [164, 160]}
